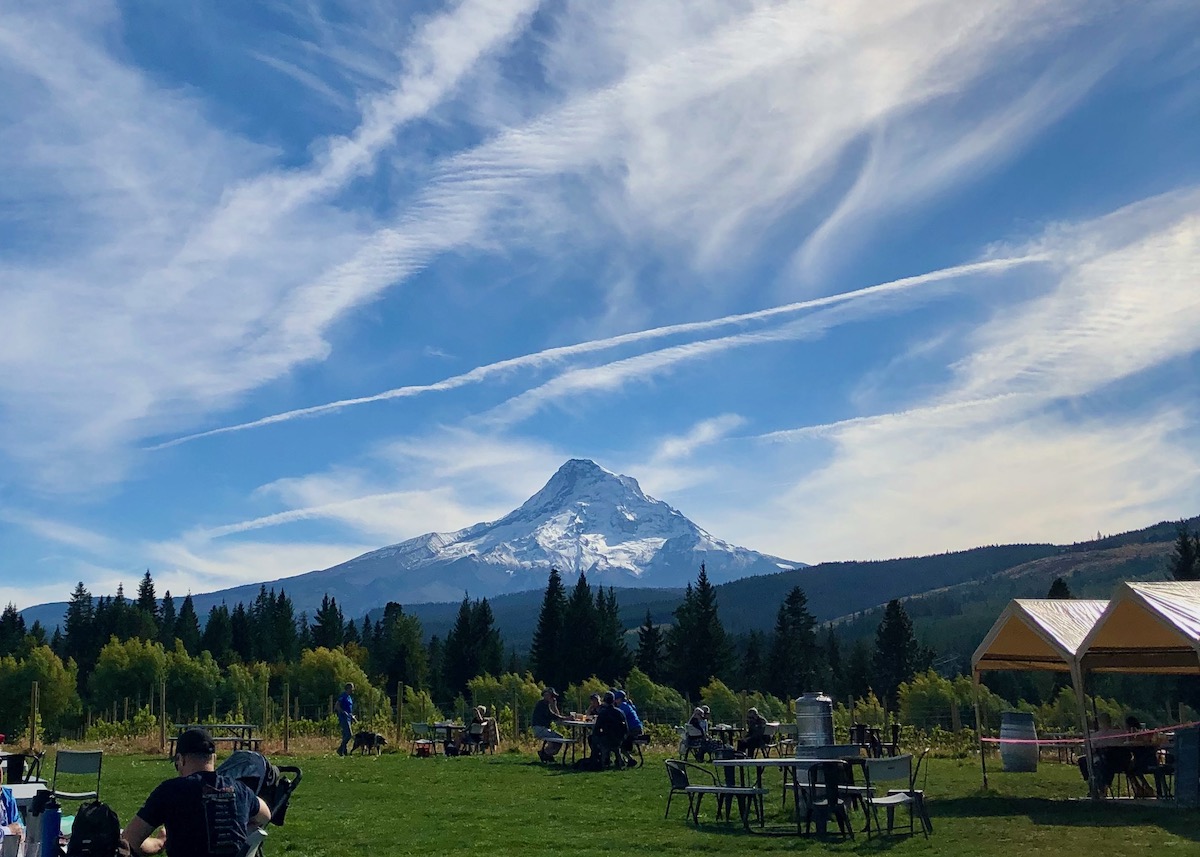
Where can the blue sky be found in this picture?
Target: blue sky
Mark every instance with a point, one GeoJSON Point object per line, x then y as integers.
{"type": "Point", "coordinates": [284, 282]}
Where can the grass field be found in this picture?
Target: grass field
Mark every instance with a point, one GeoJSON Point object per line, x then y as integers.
{"type": "Point", "coordinates": [507, 804]}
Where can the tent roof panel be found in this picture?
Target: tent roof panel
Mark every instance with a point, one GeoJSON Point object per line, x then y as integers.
{"type": "Point", "coordinates": [1037, 634]}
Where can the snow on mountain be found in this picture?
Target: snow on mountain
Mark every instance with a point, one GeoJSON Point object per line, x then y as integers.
{"type": "Point", "coordinates": [585, 519]}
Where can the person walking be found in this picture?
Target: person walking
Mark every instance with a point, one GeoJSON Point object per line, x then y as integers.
{"type": "Point", "coordinates": [345, 714]}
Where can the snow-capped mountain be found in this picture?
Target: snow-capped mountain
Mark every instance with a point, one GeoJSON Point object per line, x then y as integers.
{"type": "Point", "coordinates": [585, 519]}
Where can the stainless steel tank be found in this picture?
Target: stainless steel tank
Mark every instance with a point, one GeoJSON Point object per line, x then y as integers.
{"type": "Point", "coordinates": [814, 720]}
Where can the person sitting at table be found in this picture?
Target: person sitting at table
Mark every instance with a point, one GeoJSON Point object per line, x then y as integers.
{"type": "Point", "coordinates": [594, 702]}
{"type": "Point", "coordinates": [756, 733]}
{"type": "Point", "coordinates": [476, 729]}
{"type": "Point", "coordinates": [202, 813]}
{"type": "Point", "coordinates": [10, 819]}
{"type": "Point", "coordinates": [696, 735]}
{"type": "Point", "coordinates": [545, 712]}
{"type": "Point", "coordinates": [608, 732]}
{"type": "Point", "coordinates": [1109, 755]}
{"type": "Point", "coordinates": [1143, 757]}
{"type": "Point", "coordinates": [633, 725]}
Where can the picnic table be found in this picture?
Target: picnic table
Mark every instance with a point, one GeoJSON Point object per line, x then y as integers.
{"type": "Point", "coordinates": [237, 736]}
{"type": "Point", "coordinates": [581, 731]}
{"type": "Point", "coordinates": [786, 764]}
{"type": "Point", "coordinates": [446, 731]}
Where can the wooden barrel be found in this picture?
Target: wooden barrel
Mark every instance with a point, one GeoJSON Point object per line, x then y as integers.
{"type": "Point", "coordinates": [1018, 758]}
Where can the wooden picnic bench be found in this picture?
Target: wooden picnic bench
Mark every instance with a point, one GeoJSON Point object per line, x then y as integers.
{"type": "Point", "coordinates": [237, 736]}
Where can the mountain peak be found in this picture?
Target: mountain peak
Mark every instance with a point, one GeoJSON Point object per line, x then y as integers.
{"type": "Point", "coordinates": [581, 479]}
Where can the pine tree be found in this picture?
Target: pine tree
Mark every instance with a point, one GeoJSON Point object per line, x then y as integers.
{"type": "Point", "coordinates": [12, 630]}
{"type": "Point", "coordinates": [612, 657]}
{"type": "Point", "coordinates": [793, 664]}
{"type": "Point", "coordinates": [833, 659]}
{"type": "Point", "coordinates": [1185, 561]}
{"type": "Point", "coordinates": [582, 628]}
{"type": "Point", "coordinates": [241, 634]}
{"type": "Point", "coordinates": [329, 627]}
{"type": "Point", "coordinates": [1059, 589]}
{"type": "Point", "coordinates": [751, 673]}
{"type": "Point", "coordinates": [650, 649]}
{"type": "Point", "coordinates": [166, 622]}
{"type": "Point", "coordinates": [697, 647]}
{"type": "Point", "coordinates": [352, 635]}
{"type": "Point", "coordinates": [187, 626]}
{"type": "Point", "coordinates": [546, 652]}
{"type": "Point", "coordinates": [283, 623]}
{"type": "Point", "coordinates": [147, 602]}
{"type": "Point", "coordinates": [217, 638]}
{"type": "Point", "coordinates": [458, 662]}
{"type": "Point", "coordinates": [79, 640]}
{"type": "Point", "coordinates": [858, 671]}
{"type": "Point", "coordinates": [897, 654]}
{"type": "Point", "coordinates": [396, 650]}
{"type": "Point", "coordinates": [485, 638]}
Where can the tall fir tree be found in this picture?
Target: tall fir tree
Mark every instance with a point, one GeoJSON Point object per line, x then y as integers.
{"type": "Point", "coordinates": [858, 681]}
{"type": "Point", "coordinates": [147, 601]}
{"type": "Point", "coordinates": [546, 652]}
{"type": "Point", "coordinates": [833, 660]}
{"type": "Point", "coordinates": [166, 622]}
{"type": "Point", "coordinates": [753, 668]}
{"type": "Point", "coordinates": [1059, 589]}
{"type": "Point", "coordinates": [612, 657]}
{"type": "Point", "coordinates": [187, 626]}
{"type": "Point", "coordinates": [397, 653]}
{"type": "Point", "coordinates": [897, 654]}
{"type": "Point", "coordinates": [283, 624]}
{"type": "Point", "coordinates": [79, 639]}
{"type": "Point", "coordinates": [650, 649]}
{"type": "Point", "coordinates": [697, 646]}
{"type": "Point", "coordinates": [12, 630]}
{"type": "Point", "coordinates": [241, 634]}
{"type": "Point", "coordinates": [217, 638]}
{"type": "Point", "coordinates": [329, 626]}
{"type": "Point", "coordinates": [794, 663]}
{"type": "Point", "coordinates": [485, 637]}
{"type": "Point", "coordinates": [458, 661]}
{"type": "Point", "coordinates": [582, 629]}
{"type": "Point", "coordinates": [1184, 563]}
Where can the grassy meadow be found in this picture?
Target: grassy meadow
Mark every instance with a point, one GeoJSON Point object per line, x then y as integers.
{"type": "Point", "coordinates": [508, 804]}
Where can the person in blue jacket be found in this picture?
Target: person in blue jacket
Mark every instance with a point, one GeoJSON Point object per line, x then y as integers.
{"type": "Point", "coordinates": [633, 724]}
{"type": "Point", "coordinates": [345, 715]}
{"type": "Point", "coordinates": [10, 820]}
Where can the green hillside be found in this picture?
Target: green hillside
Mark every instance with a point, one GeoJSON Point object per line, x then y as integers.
{"type": "Point", "coordinates": [953, 598]}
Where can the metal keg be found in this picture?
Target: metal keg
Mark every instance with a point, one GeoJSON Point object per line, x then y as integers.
{"type": "Point", "coordinates": [814, 720]}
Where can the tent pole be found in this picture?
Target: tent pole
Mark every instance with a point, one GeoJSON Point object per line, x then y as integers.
{"type": "Point", "coordinates": [1081, 698]}
{"type": "Point", "coordinates": [979, 728]}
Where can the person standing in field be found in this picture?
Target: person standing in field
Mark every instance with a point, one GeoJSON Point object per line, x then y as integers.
{"type": "Point", "coordinates": [345, 714]}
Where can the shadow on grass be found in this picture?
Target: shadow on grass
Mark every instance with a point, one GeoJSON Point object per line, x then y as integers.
{"type": "Point", "coordinates": [1064, 813]}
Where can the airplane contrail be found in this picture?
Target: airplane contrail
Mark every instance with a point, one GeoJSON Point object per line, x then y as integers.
{"type": "Point", "coordinates": [551, 355]}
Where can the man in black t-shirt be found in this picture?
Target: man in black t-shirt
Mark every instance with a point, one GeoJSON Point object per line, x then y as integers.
{"type": "Point", "coordinates": [205, 814]}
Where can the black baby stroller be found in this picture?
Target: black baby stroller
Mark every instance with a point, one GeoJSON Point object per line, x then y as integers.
{"type": "Point", "coordinates": [268, 782]}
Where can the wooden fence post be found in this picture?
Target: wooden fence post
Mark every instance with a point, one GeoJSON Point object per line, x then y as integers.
{"type": "Point", "coordinates": [162, 717]}
{"type": "Point", "coordinates": [287, 710]}
{"type": "Point", "coordinates": [33, 712]}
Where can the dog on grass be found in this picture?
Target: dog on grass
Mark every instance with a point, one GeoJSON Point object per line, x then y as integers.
{"type": "Point", "coordinates": [369, 742]}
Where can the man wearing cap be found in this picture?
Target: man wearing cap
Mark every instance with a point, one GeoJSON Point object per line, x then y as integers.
{"type": "Point", "coordinates": [204, 813]}
{"type": "Point", "coordinates": [545, 712]}
{"type": "Point", "coordinates": [756, 733]}
{"type": "Point", "coordinates": [608, 731]}
{"type": "Point", "coordinates": [632, 721]}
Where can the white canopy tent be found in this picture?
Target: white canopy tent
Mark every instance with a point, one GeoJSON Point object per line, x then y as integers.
{"type": "Point", "coordinates": [1150, 628]}
{"type": "Point", "coordinates": [1147, 628]}
{"type": "Point", "coordinates": [1038, 634]}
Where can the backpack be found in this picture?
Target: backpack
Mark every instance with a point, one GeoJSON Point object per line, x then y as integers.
{"type": "Point", "coordinates": [96, 832]}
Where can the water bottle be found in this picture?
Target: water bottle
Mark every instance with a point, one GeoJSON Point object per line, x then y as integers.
{"type": "Point", "coordinates": [51, 828]}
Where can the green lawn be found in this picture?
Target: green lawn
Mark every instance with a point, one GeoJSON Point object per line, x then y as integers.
{"type": "Point", "coordinates": [509, 804]}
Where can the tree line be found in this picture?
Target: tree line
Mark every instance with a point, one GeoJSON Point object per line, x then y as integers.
{"type": "Point", "coordinates": [113, 645]}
